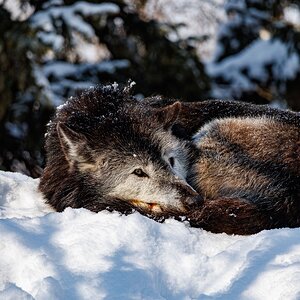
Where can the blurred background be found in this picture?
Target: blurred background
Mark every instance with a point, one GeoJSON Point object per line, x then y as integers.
{"type": "Point", "coordinates": [246, 50]}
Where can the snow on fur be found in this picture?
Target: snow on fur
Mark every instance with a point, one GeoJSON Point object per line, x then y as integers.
{"type": "Point", "coordinates": [78, 254]}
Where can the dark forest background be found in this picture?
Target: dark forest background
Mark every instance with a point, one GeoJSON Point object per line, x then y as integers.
{"type": "Point", "coordinates": [256, 59]}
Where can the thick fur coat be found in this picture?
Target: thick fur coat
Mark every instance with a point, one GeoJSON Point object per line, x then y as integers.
{"type": "Point", "coordinates": [106, 151]}
{"type": "Point", "coordinates": [247, 167]}
{"type": "Point", "coordinates": [226, 166]}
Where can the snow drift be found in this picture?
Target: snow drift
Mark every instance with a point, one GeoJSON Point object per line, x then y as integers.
{"type": "Point", "coordinates": [78, 254]}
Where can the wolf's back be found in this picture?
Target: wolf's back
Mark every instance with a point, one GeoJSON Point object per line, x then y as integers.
{"type": "Point", "coordinates": [248, 168]}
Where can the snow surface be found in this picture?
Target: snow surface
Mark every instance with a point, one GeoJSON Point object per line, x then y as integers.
{"type": "Point", "coordinates": [78, 254]}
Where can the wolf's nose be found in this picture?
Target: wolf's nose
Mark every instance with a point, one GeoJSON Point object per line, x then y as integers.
{"type": "Point", "coordinates": [193, 202]}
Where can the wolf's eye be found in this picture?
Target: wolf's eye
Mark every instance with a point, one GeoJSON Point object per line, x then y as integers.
{"type": "Point", "coordinates": [172, 161]}
{"type": "Point", "coordinates": [139, 173]}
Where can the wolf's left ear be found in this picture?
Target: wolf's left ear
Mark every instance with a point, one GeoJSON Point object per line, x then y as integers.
{"type": "Point", "coordinates": [168, 115]}
{"type": "Point", "coordinates": [72, 143]}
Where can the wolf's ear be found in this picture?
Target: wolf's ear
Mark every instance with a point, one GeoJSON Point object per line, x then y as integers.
{"type": "Point", "coordinates": [72, 143]}
{"type": "Point", "coordinates": [168, 115]}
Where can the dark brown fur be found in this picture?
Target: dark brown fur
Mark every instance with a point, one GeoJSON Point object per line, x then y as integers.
{"type": "Point", "coordinates": [60, 184]}
{"type": "Point", "coordinates": [193, 115]}
{"type": "Point", "coordinates": [247, 168]}
{"type": "Point", "coordinates": [246, 164]}
{"type": "Point", "coordinates": [231, 216]}
{"type": "Point", "coordinates": [95, 140]}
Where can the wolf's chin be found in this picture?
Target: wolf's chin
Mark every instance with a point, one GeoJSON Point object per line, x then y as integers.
{"type": "Point", "coordinates": [151, 207]}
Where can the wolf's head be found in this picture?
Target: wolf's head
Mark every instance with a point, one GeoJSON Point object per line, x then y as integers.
{"type": "Point", "coordinates": [116, 156]}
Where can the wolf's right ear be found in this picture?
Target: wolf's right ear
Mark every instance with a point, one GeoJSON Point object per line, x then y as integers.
{"type": "Point", "coordinates": [71, 143]}
{"type": "Point", "coordinates": [168, 115]}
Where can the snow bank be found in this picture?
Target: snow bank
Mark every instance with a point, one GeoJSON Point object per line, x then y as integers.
{"type": "Point", "coordinates": [78, 254]}
{"type": "Point", "coordinates": [19, 197]}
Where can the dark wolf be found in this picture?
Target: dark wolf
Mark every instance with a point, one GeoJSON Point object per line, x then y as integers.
{"type": "Point", "coordinates": [247, 165]}
{"type": "Point", "coordinates": [105, 151]}
{"type": "Point", "coordinates": [227, 166]}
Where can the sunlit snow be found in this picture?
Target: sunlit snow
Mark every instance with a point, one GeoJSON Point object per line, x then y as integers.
{"type": "Point", "coordinates": [78, 254]}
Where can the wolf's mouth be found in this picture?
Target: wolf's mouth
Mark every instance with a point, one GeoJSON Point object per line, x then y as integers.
{"type": "Point", "coordinates": [155, 207]}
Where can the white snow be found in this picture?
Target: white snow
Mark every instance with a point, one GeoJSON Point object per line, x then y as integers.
{"type": "Point", "coordinates": [20, 10]}
{"type": "Point", "coordinates": [292, 15]}
{"type": "Point", "coordinates": [19, 197]}
{"type": "Point", "coordinates": [72, 15]}
{"type": "Point", "coordinates": [254, 59]}
{"type": "Point", "coordinates": [78, 254]}
{"type": "Point", "coordinates": [197, 18]}
{"type": "Point", "coordinates": [60, 69]}
{"type": "Point", "coordinates": [65, 76]}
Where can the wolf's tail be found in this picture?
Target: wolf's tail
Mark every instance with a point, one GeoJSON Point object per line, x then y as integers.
{"type": "Point", "coordinates": [232, 216]}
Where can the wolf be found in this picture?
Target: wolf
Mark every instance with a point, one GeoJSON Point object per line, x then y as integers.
{"type": "Point", "coordinates": [226, 166]}
{"type": "Point", "coordinates": [247, 165]}
{"type": "Point", "coordinates": [106, 151]}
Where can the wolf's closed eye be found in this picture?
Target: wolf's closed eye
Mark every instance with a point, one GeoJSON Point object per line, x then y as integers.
{"type": "Point", "coordinates": [140, 173]}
